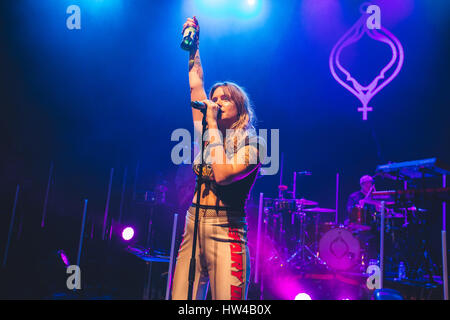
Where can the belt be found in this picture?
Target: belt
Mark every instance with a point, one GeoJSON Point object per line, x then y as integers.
{"type": "Point", "coordinates": [216, 211]}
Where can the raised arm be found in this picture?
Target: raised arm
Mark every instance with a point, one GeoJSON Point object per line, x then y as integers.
{"type": "Point", "coordinates": [196, 85]}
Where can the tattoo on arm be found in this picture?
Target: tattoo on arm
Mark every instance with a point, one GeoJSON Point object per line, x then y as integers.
{"type": "Point", "coordinates": [196, 65]}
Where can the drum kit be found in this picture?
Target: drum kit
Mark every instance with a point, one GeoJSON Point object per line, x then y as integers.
{"type": "Point", "coordinates": [392, 229]}
{"type": "Point", "coordinates": [305, 234]}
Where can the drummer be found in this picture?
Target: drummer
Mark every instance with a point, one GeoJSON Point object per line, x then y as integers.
{"type": "Point", "coordinates": [366, 230]}
{"type": "Point", "coordinates": [356, 199]}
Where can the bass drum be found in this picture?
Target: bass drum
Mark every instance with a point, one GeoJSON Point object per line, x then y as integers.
{"type": "Point", "coordinates": [340, 249]}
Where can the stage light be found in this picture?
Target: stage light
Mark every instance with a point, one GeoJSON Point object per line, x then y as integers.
{"type": "Point", "coordinates": [227, 14]}
{"type": "Point", "coordinates": [250, 9]}
{"type": "Point", "coordinates": [64, 257]}
{"type": "Point", "coordinates": [302, 296]}
{"type": "Point", "coordinates": [127, 233]}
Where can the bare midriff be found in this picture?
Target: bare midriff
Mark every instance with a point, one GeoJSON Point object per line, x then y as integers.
{"type": "Point", "coordinates": [208, 198]}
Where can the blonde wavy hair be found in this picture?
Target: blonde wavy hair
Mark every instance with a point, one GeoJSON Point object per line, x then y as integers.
{"type": "Point", "coordinates": [246, 116]}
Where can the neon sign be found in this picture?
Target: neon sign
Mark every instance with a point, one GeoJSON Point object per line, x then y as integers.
{"type": "Point", "coordinates": [368, 23]}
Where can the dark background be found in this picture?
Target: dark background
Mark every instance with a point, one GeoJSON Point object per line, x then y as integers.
{"type": "Point", "coordinates": [110, 95]}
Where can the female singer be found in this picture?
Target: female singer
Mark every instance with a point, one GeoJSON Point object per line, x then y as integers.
{"type": "Point", "coordinates": [229, 171]}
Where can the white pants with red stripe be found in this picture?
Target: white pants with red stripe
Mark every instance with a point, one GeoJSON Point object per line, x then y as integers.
{"type": "Point", "coordinates": [222, 259]}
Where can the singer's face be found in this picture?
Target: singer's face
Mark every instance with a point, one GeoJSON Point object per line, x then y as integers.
{"type": "Point", "coordinates": [229, 110]}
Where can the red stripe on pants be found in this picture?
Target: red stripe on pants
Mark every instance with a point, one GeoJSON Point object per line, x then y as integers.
{"type": "Point", "coordinates": [236, 262]}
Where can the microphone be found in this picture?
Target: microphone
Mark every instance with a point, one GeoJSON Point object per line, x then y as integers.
{"type": "Point", "coordinates": [203, 106]}
{"type": "Point", "coordinates": [199, 105]}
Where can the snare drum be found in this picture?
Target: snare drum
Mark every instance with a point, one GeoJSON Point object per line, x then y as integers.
{"type": "Point", "coordinates": [358, 219]}
{"type": "Point", "coordinates": [340, 249]}
{"type": "Point", "coordinates": [325, 227]}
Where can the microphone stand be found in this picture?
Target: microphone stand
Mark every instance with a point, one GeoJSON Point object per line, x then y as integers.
{"type": "Point", "coordinates": [197, 209]}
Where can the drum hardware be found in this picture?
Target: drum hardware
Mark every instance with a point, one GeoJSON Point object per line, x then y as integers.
{"type": "Point", "coordinates": [302, 247]}
{"type": "Point", "coordinates": [292, 205]}
{"type": "Point", "coordinates": [285, 205]}
{"type": "Point", "coordinates": [303, 202]}
{"type": "Point", "coordinates": [294, 181]}
{"type": "Point", "coordinates": [320, 210]}
{"type": "Point", "coordinates": [281, 189]}
{"type": "Point", "coordinates": [287, 222]}
{"type": "Point", "coordinates": [343, 249]}
{"type": "Point", "coordinates": [303, 216]}
{"type": "Point", "coordinates": [311, 255]}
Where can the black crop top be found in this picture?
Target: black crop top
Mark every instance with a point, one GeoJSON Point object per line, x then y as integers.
{"type": "Point", "coordinates": [233, 195]}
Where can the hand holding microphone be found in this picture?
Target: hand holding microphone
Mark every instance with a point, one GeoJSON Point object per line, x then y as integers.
{"type": "Point", "coordinates": [199, 105]}
{"type": "Point", "coordinates": [211, 110]}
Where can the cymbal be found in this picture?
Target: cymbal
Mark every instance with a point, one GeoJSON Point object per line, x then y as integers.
{"type": "Point", "coordinates": [395, 215]}
{"type": "Point", "coordinates": [372, 202]}
{"type": "Point", "coordinates": [378, 202]}
{"type": "Point", "coordinates": [358, 227]}
{"type": "Point", "coordinates": [305, 202]}
{"type": "Point", "coordinates": [414, 208]}
{"type": "Point", "coordinates": [319, 210]}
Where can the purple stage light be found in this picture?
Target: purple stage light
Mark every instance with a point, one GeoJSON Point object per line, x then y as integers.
{"type": "Point", "coordinates": [302, 296]}
{"type": "Point", "coordinates": [356, 32]}
{"type": "Point", "coordinates": [321, 19]}
{"type": "Point", "coordinates": [395, 11]}
{"type": "Point", "coordinates": [127, 233]}
{"type": "Point", "coordinates": [64, 257]}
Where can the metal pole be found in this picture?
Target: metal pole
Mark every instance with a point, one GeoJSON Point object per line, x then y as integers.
{"type": "Point", "coordinates": [83, 220]}
{"type": "Point", "coordinates": [44, 211]}
{"type": "Point", "coordinates": [123, 194]}
{"type": "Point", "coordinates": [444, 242]}
{"type": "Point", "coordinates": [148, 242]}
{"type": "Point", "coordinates": [135, 180]}
{"type": "Point", "coordinates": [19, 232]}
{"type": "Point", "coordinates": [258, 236]}
{"type": "Point", "coordinates": [107, 204]}
{"type": "Point", "coordinates": [92, 228]}
{"type": "Point", "coordinates": [261, 286]}
{"type": "Point", "coordinates": [382, 246]}
{"type": "Point", "coordinates": [337, 197]}
{"type": "Point", "coordinates": [280, 193]}
{"type": "Point", "coordinates": [405, 187]}
{"type": "Point", "coordinates": [147, 292]}
{"type": "Point", "coordinates": [11, 225]}
{"type": "Point", "coordinates": [172, 249]}
{"type": "Point", "coordinates": [294, 187]}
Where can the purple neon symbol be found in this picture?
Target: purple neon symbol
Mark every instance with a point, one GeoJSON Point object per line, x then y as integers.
{"type": "Point", "coordinates": [366, 93]}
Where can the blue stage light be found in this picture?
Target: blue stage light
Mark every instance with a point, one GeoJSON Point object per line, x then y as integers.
{"type": "Point", "coordinates": [241, 9]}
{"type": "Point", "coordinates": [251, 2]}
